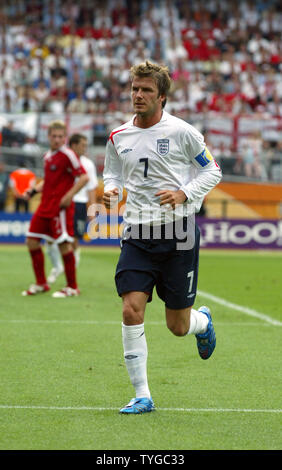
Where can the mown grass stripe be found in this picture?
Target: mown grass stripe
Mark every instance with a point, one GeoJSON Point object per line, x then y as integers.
{"type": "Point", "coordinates": [111, 408]}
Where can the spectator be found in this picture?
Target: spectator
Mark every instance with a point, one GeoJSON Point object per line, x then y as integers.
{"type": "Point", "coordinates": [41, 96]}
{"type": "Point", "coordinates": [52, 18]}
{"type": "Point", "coordinates": [58, 98]}
{"type": "Point", "coordinates": [276, 163]}
{"type": "Point", "coordinates": [251, 154]}
{"type": "Point", "coordinates": [6, 71]}
{"type": "Point", "coordinates": [21, 180]}
{"type": "Point", "coordinates": [78, 104]}
{"type": "Point", "coordinates": [267, 156]}
{"type": "Point", "coordinates": [8, 134]}
{"type": "Point", "coordinates": [8, 98]}
{"type": "Point", "coordinates": [26, 101]}
{"type": "Point", "coordinates": [30, 147]}
{"type": "Point", "coordinates": [4, 183]}
{"type": "Point", "coordinates": [40, 49]}
{"type": "Point", "coordinates": [70, 10]}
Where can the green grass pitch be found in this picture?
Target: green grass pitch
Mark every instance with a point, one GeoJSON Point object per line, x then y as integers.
{"type": "Point", "coordinates": [63, 378]}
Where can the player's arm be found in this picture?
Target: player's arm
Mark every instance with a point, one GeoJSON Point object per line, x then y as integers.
{"type": "Point", "coordinates": [67, 198]}
{"type": "Point", "coordinates": [92, 197]}
{"type": "Point", "coordinates": [13, 187]}
{"type": "Point", "coordinates": [112, 175]}
{"type": "Point", "coordinates": [92, 200]}
{"type": "Point", "coordinates": [208, 176]}
{"type": "Point", "coordinates": [208, 173]}
{"type": "Point", "coordinates": [37, 188]}
{"type": "Point", "coordinates": [92, 185]}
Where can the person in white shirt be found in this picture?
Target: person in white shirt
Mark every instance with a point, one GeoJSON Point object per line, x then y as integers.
{"type": "Point", "coordinates": [83, 199]}
{"type": "Point", "coordinates": [167, 170]}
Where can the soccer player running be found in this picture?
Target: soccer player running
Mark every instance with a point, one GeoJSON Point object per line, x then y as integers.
{"type": "Point", "coordinates": [83, 199]}
{"type": "Point", "coordinates": [53, 219]}
{"type": "Point", "coordinates": [166, 169]}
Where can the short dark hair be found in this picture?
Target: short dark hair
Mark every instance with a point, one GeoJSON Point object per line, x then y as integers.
{"type": "Point", "coordinates": [159, 73]}
{"type": "Point", "coordinates": [76, 138]}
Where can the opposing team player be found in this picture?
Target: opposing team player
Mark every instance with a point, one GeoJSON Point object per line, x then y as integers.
{"type": "Point", "coordinates": [164, 164]}
{"type": "Point", "coordinates": [53, 219]}
{"type": "Point", "coordinates": [82, 200]}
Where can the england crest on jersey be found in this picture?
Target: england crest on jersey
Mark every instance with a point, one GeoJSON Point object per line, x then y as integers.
{"type": "Point", "coordinates": [163, 146]}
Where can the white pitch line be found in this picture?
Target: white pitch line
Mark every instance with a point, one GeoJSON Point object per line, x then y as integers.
{"type": "Point", "coordinates": [111, 408]}
{"type": "Point", "coordinates": [240, 308]}
{"type": "Point", "coordinates": [219, 300]}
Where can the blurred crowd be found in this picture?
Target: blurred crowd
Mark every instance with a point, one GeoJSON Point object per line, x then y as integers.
{"type": "Point", "coordinates": [64, 55]}
{"type": "Point", "coordinates": [74, 56]}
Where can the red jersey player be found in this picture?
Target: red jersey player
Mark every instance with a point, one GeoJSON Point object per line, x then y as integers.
{"type": "Point", "coordinates": [64, 176]}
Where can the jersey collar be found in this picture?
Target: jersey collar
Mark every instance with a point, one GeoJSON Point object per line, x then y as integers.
{"type": "Point", "coordinates": [163, 118]}
{"type": "Point", "coordinates": [50, 152]}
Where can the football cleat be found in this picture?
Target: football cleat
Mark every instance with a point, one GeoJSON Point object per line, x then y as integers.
{"type": "Point", "coordinates": [138, 406]}
{"type": "Point", "coordinates": [54, 274]}
{"type": "Point", "coordinates": [206, 341]}
{"type": "Point", "coordinates": [36, 289]}
{"type": "Point", "coordinates": [66, 292]}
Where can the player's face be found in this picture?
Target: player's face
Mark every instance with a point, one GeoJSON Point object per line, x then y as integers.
{"type": "Point", "coordinates": [57, 138]}
{"type": "Point", "coordinates": [145, 96]}
{"type": "Point", "coordinates": [81, 147]}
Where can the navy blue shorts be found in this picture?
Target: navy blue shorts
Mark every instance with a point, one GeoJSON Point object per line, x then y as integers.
{"type": "Point", "coordinates": [80, 219]}
{"type": "Point", "coordinates": [145, 264]}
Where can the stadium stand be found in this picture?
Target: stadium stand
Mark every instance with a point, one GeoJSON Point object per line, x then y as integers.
{"type": "Point", "coordinates": [68, 58]}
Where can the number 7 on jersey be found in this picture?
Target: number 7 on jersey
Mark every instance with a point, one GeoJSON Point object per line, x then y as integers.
{"type": "Point", "coordinates": [146, 161]}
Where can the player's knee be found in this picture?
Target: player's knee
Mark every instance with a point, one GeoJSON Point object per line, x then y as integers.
{"type": "Point", "coordinates": [178, 321]}
{"type": "Point", "coordinates": [178, 329]}
{"type": "Point", "coordinates": [32, 243]}
{"type": "Point", "coordinates": [132, 314]}
{"type": "Point", "coordinates": [178, 326]}
{"type": "Point", "coordinates": [65, 248]}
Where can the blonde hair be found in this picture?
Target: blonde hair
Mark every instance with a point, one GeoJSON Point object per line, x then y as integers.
{"type": "Point", "coordinates": [57, 125]}
{"type": "Point", "coordinates": [159, 73]}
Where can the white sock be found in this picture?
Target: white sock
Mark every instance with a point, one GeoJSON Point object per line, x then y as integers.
{"type": "Point", "coordinates": [77, 256]}
{"type": "Point", "coordinates": [55, 256]}
{"type": "Point", "coordinates": [198, 322]}
{"type": "Point", "coordinates": [135, 356]}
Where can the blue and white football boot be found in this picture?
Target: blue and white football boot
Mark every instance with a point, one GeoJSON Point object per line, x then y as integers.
{"type": "Point", "coordinates": [206, 341]}
{"type": "Point", "coordinates": [138, 406]}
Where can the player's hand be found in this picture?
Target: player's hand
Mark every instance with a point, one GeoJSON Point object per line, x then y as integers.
{"type": "Point", "coordinates": [110, 198]}
{"type": "Point", "coordinates": [65, 202]}
{"type": "Point", "coordinates": [171, 197]}
{"type": "Point", "coordinates": [28, 194]}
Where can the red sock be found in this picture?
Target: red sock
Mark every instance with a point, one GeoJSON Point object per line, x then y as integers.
{"type": "Point", "coordinates": [37, 257]}
{"type": "Point", "coordinates": [69, 262]}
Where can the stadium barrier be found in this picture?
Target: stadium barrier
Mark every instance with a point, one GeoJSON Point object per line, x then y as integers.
{"type": "Point", "coordinates": [215, 233]}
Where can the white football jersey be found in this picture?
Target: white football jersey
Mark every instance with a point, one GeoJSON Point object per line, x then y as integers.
{"type": "Point", "coordinates": [170, 155]}
{"type": "Point", "coordinates": [82, 194]}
